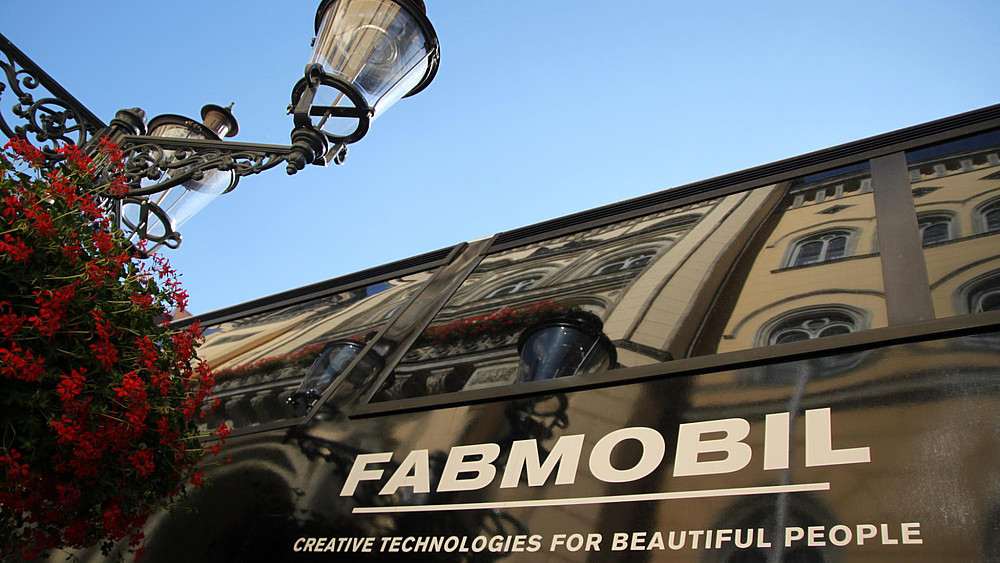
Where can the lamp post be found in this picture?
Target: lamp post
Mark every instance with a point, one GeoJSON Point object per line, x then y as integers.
{"type": "Point", "coordinates": [367, 55]}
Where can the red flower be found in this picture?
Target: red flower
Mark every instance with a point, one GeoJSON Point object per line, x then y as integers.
{"type": "Point", "coordinates": [26, 151]}
{"type": "Point", "coordinates": [143, 462]}
{"type": "Point", "coordinates": [98, 396]}
{"type": "Point", "coordinates": [223, 431]}
{"type": "Point", "coordinates": [16, 248]}
{"type": "Point", "coordinates": [71, 385]}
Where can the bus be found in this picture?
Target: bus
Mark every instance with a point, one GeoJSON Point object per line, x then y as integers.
{"type": "Point", "coordinates": [793, 363]}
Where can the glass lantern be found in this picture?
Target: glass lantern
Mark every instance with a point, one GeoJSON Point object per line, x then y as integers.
{"type": "Point", "coordinates": [330, 364]}
{"type": "Point", "coordinates": [161, 214]}
{"type": "Point", "coordinates": [371, 53]}
{"type": "Point", "coordinates": [569, 345]}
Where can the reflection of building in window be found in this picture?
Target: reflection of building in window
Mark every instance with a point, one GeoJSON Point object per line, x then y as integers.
{"type": "Point", "coordinates": [934, 229]}
{"type": "Point", "coordinates": [983, 295]}
{"type": "Point", "coordinates": [633, 262]}
{"type": "Point", "coordinates": [989, 216]}
{"type": "Point", "coordinates": [823, 247]}
{"type": "Point", "coordinates": [812, 323]}
{"type": "Point", "coordinates": [512, 288]}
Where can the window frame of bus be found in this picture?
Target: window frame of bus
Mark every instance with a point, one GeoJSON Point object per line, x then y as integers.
{"type": "Point", "coordinates": [432, 262]}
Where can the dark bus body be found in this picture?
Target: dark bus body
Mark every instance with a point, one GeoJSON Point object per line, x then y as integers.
{"type": "Point", "coordinates": [797, 362]}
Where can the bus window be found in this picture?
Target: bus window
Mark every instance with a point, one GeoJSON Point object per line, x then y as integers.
{"type": "Point", "coordinates": [260, 360]}
{"type": "Point", "coordinates": [781, 263]}
{"type": "Point", "coordinates": [956, 193]}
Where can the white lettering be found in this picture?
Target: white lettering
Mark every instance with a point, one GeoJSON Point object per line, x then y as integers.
{"type": "Point", "coordinates": [793, 534]}
{"type": "Point", "coordinates": [359, 473]}
{"type": "Point", "coordinates": [690, 445]}
{"type": "Point", "coordinates": [911, 532]}
{"type": "Point", "coordinates": [777, 434]}
{"type": "Point", "coordinates": [844, 532]}
{"type": "Point", "coordinates": [819, 443]}
{"type": "Point", "coordinates": [457, 463]}
{"type": "Point", "coordinates": [420, 480]}
{"type": "Point", "coordinates": [653, 450]}
{"type": "Point", "coordinates": [524, 457]}
{"type": "Point", "coordinates": [866, 532]}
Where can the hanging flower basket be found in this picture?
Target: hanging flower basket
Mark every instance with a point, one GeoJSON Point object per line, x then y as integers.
{"type": "Point", "coordinates": [98, 397]}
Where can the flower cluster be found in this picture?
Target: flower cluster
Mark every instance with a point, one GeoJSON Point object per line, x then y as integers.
{"type": "Point", "coordinates": [98, 396]}
{"type": "Point", "coordinates": [506, 321]}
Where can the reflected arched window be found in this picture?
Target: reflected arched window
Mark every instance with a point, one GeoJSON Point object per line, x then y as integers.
{"type": "Point", "coordinates": [512, 288]}
{"type": "Point", "coordinates": [934, 229]}
{"type": "Point", "coordinates": [985, 296]}
{"type": "Point", "coordinates": [633, 262]}
{"type": "Point", "coordinates": [820, 248]}
{"type": "Point", "coordinates": [989, 217]}
{"type": "Point", "coordinates": [809, 324]}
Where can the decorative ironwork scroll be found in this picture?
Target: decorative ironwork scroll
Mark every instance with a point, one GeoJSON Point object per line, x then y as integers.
{"type": "Point", "coordinates": [43, 111]}
{"type": "Point", "coordinates": [155, 164]}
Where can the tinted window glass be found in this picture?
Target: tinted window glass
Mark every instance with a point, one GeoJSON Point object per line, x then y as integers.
{"type": "Point", "coordinates": [956, 190]}
{"type": "Point", "coordinates": [260, 360]}
{"type": "Point", "coordinates": [710, 277]}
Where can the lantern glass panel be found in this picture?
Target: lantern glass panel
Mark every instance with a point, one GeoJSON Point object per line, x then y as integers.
{"type": "Point", "coordinates": [560, 351]}
{"type": "Point", "coordinates": [376, 46]}
{"type": "Point", "coordinates": [184, 201]}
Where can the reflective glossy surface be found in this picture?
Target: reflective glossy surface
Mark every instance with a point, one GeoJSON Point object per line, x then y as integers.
{"type": "Point", "coordinates": [782, 263]}
{"type": "Point", "coordinates": [956, 191]}
{"type": "Point", "coordinates": [260, 360]}
{"type": "Point", "coordinates": [925, 413]}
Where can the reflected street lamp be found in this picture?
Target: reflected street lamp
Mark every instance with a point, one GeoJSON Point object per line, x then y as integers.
{"type": "Point", "coordinates": [367, 55]}
{"type": "Point", "coordinates": [572, 344]}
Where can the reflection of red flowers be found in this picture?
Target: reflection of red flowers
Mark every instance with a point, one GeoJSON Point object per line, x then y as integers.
{"type": "Point", "coordinates": [503, 322]}
{"type": "Point", "coordinates": [303, 357]}
{"type": "Point", "coordinates": [98, 395]}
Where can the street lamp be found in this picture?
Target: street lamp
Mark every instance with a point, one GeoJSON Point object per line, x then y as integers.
{"type": "Point", "coordinates": [571, 344]}
{"type": "Point", "coordinates": [367, 55]}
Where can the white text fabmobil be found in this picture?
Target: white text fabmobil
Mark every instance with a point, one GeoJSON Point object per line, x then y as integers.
{"type": "Point", "coordinates": [470, 467]}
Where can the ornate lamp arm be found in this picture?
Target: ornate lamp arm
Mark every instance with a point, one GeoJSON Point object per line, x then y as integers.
{"type": "Point", "coordinates": [171, 161]}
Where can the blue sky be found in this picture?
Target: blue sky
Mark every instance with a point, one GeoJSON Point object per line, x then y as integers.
{"type": "Point", "coordinates": [540, 109]}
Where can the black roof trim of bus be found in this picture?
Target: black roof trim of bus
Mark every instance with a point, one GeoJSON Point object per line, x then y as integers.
{"type": "Point", "coordinates": [335, 285]}
{"type": "Point", "coordinates": [912, 137]}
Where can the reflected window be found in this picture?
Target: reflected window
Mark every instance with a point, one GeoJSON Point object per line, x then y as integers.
{"type": "Point", "coordinates": [823, 247]}
{"type": "Point", "coordinates": [934, 229]}
{"type": "Point", "coordinates": [964, 176]}
{"type": "Point", "coordinates": [634, 262]}
{"type": "Point", "coordinates": [989, 217]}
{"type": "Point", "coordinates": [807, 325]}
{"type": "Point", "coordinates": [511, 289]}
{"type": "Point", "coordinates": [985, 295]}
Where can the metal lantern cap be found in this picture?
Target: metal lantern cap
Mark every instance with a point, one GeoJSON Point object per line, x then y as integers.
{"type": "Point", "coordinates": [181, 121]}
{"type": "Point", "coordinates": [213, 116]}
